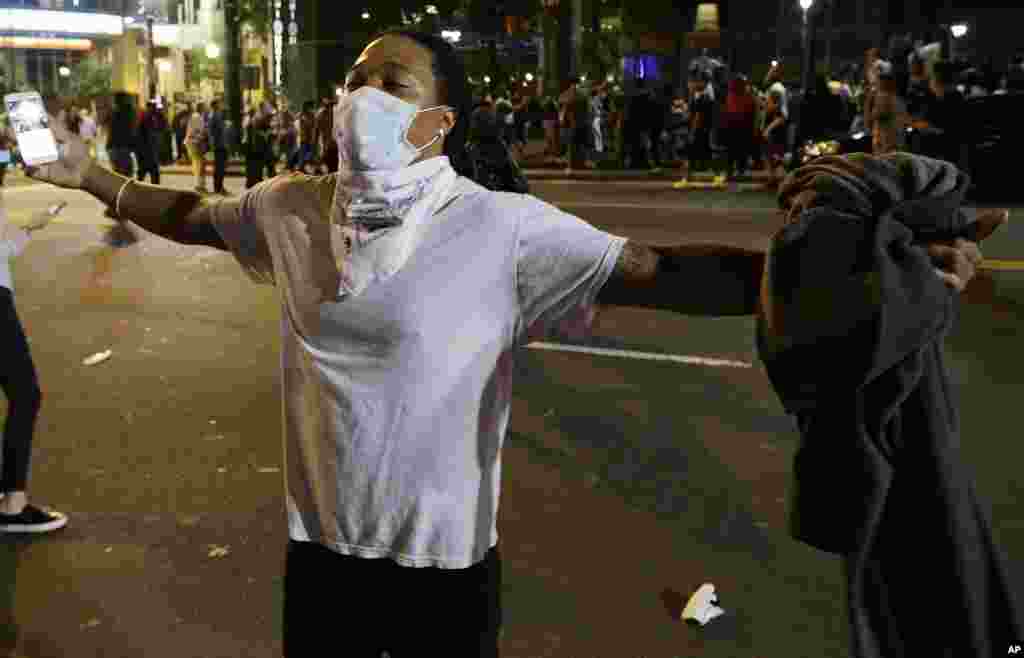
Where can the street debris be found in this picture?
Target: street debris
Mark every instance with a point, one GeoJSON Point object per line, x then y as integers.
{"type": "Point", "coordinates": [269, 469]}
{"type": "Point", "coordinates": [214, 437]}
{"type": "Point", "coordinates": [702, 606]}
{"type": "Point", "coordinates": [146, 350]}
{"type": "Point", "coordinates": [92, 623]}
{"type": "Point", "coordinates": [108, 549]}
{"type": "Point", "coordinates": [99, 357]}
{"type": "Point", "coordinates": [213, 422]}
{"type": "Point", "coordinates": [222, 470]}
{"type": "Point", "coordinates": [217, 551]}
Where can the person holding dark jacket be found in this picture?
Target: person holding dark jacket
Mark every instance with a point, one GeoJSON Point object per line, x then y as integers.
{"type": "Point", "coordinates": [878, 478]}
{"type": "Point", "coordinates": [393, 490]}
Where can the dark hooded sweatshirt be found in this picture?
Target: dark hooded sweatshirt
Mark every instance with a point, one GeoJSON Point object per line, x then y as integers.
{"type": "Point", "coordinates": [851, 335]}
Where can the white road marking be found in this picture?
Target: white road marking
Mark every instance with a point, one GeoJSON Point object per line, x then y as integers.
{"type": "Point", "coordinates": [644, 356]}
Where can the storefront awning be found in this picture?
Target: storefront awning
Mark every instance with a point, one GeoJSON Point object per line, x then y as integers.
{"type": "Point", "coordinates": [60, 22]}
{"type": "Point", "coordinates": [42, 43]}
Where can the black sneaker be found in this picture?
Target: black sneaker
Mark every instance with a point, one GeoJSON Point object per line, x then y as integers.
{"type": "Point", "coordinates": [32, 519]}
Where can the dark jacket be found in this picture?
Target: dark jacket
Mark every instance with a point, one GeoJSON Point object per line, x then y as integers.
{"type": "Point", "coordinates": [218, 133]}
{"type": "Point", "coordinates": [123, 129]}
{"type": "Point", "coordinates": [851, 337]}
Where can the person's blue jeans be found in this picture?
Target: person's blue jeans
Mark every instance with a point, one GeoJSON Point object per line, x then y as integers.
{"type": "Point", "coordinates": [303, 156]}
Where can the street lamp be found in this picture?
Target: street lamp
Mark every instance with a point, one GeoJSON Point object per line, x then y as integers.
{"type": "Point", "coordinates": [432, 9]}
{"type": "Point", "coordinates": [487, 79]}
{"type": "Point", "coordinates": [366, 15]}
{"type": "Point", "coordinates": [64, 71]}
{"type": "Point", "coordinates": [452, 36]}
{"type": "Point", "coordinates": [959, 30]}
{"type": "Point", "coordinates": [529, 77]}
{"type": "Point", "coordinates": [805, 79]}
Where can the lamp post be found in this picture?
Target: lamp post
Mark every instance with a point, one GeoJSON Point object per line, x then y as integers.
{"type": "Point", "coordinates": [805, 81]}
{"type": "Point", "coordinates": [150, 57]}
{"type": "Point", "coordinates": [956, 31]}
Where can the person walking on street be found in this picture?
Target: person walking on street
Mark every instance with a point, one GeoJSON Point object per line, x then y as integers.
{"type": "Point", "coordinates": [597, 120]}
{"type": "Point", "coordinates": [180, 123]}
{"type": "Point", "coordinates": [942, 127]}
{"type": "Point", "coordinates": [393, 432]}
{"type": "Point", "coordinates": [775, 137]}
{"type": "Point", "coordinates": [638, 114]}
{"type": "Point", "coordinates": [7, 144]}
{"type": "Point", "coordinates": [328, 146]}
{"type": "Point", "coordinates": [123, 134]}
{"type": "Point", "coordinates": [889, 118]}
{"type": "Point", "coordinates": [87, 130]}
{"type": "Point", "coordinates": [701, 110]}
{"type": "Point", "coordinates": [257, 147]}
{"type": "Point", "coordinates": [738, 125]}
{"type": "Point", "coordinates": [305, 125]}
{"type": "Point", "coordinates": [287, 135]}
{"type": "Point", "coordinates": [219, 144]}
{"type": "Point", "coordinates": [147, 145]}
{"type": "Point", "coordinates": [197, 141]}
{"type": "Point", "coordinates": [21, 387]}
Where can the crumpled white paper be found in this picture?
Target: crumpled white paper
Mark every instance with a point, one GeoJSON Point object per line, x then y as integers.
{"type": "Point", "coordinates": [702, 606]}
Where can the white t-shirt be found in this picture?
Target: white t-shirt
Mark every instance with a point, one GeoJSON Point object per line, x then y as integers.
{"type": "Point", "coordinates": [13, 240]}
{"type": "Point", "coordinates": [396, 402]}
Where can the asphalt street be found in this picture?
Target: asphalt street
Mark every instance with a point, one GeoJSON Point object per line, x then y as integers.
{"type": "Point", "coordinates": [633, 472]}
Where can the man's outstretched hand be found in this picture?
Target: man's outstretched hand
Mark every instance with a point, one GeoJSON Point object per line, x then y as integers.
{"type": "Point", "coordinates": [957, 264]}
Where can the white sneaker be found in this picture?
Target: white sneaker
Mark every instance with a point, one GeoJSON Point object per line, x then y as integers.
{"type": "Point", "coordinates": [32, 519]}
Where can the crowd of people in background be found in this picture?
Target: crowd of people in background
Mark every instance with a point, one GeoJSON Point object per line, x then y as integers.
{"type": "Point", "coordinates": [723, 122]}
{"type": "Point", "coordinates": [726, 123]}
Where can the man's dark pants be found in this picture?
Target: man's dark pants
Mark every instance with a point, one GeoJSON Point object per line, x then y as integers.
{"type": "Point", "coordinates": [376, 605]}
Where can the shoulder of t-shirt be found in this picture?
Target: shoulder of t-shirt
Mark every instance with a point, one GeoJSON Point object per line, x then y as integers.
{"type": "Point", "coordinates": [281, 195]}
{"type": "Point", "coordinates": [499, 208]}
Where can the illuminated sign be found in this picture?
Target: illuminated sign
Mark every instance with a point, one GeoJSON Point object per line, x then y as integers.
{"type": "Point", "coordinates": [33, 43]}
{"type": "Point", "coordinates": [63, 22]}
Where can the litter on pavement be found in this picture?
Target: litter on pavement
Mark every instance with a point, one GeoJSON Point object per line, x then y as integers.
{"type": "Point", "coordinates": [217, 551]}
{"type": "Point", "coordinates": [99, 357]}
{"type": "Point", "coordinates": [702, 606]}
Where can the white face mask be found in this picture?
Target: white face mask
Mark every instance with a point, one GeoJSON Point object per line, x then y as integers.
{"type": "Point", "coordinates": [372, 129]}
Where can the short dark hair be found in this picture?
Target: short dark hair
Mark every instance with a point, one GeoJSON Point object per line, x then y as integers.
{"type": "Point", "coordinates": [449, 68]}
